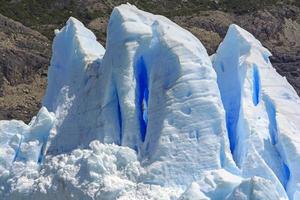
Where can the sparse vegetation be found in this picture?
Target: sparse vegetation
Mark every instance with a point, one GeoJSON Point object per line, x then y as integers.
{"type": "Point", "coordinates": [41, 14]}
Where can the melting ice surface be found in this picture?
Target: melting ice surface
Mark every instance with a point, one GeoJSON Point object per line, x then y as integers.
{"type": "Point", "coordinates": [153, 117]}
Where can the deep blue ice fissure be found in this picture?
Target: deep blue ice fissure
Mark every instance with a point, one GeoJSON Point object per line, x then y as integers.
{"type": "Point", "coordinates": [256, 85]}
{"type": "Point", "coordinates": [142, 95]}
{"type": "Point", "coordinates": [231, 99]}
{"type": "Point", "coordinates": [41, 156]}
{"type": "Point", "coordinates": [231, 124]}
{"type": "Point", "coordinates": [119, 113]}
{"type": "Point", "coordinates": [287, 177]}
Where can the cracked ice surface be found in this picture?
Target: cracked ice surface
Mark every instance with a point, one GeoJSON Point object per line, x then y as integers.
{"type": "Point", "coordinates": [152, 117]}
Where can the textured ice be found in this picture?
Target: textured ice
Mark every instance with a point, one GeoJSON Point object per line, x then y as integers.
{"type": "Point", "coordinates": [24, 145]}
{"type": "Point", "coordinates": [193, 193]}
{"type": "Point", "coordinates": [153, 117]}
{"type": "Point", "coordinates": [155, 79]}
{"type": "Point", "coordinates": [72, 74]}
{"type": "Point", "coordinates": [261, 112]}
{"type": "Point", "coordinates": [217, 184]}
{"type": "Point", "coordinates": [21, 142]}
{"type": "Point", "coordinates": [256, 188]}
{"type": "Point", "coordinates": [103, 171]}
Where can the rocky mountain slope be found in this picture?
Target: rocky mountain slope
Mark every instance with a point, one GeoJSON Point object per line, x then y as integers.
{"type": "Point", "coordinates": [275, 23]}
{"type": "Point", "coordinates": [24, 57]}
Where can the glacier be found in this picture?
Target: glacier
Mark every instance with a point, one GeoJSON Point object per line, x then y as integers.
{"type": "Point", "coordinates": [153, 116]}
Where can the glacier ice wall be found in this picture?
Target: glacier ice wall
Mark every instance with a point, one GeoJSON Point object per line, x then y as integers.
{"type": "Point", "coordinates": [154, 79]}
{"type": "Point", "coordinates": [23, 144]}
{"type": "Point", "coordinates": [72, 73]}
{"type": "Point", "coordinates": [261, 111]}
{"type": "Point", "coordinates": [152, 117]}
{"type": "Point", "coordinates": [173, 89]}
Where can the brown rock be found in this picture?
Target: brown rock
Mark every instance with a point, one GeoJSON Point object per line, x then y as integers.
{"type": "Point", "coordinates": [24, 54]}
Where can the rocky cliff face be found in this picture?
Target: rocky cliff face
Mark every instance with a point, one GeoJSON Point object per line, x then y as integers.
{"type": "Point", "coordinates": [26, 52]}
{"type": "Point", "coordinates": [24, 57]}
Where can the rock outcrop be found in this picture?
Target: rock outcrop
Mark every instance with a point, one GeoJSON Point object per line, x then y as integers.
{"type": "Point", "coordinates": [24, 58]}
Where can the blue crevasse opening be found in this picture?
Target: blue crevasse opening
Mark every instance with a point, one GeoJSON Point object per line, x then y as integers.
{"type": "Point", "coordinates": [231, 99]}
{"type": "Point", "coordinates": [256, 85]}
{"type": "Point", "coordinates": [142, 95]}
{"type": "Point", "coordinates": [231, 133]}
{"type": "Point", "coordinates": [232, 117]}
{"type": "Point", "coordinates": [41, 156]}
{"type": "Point", "coordinates": [271, 111]}
{"type": "Point", "coordinates": [18, 150]}
{"type": "Point", "coordinates": [119, 120]}
{"type": "Point", "coordinates": [273, 131]}
{"type": "Point", "coordinates": [287, 175]}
